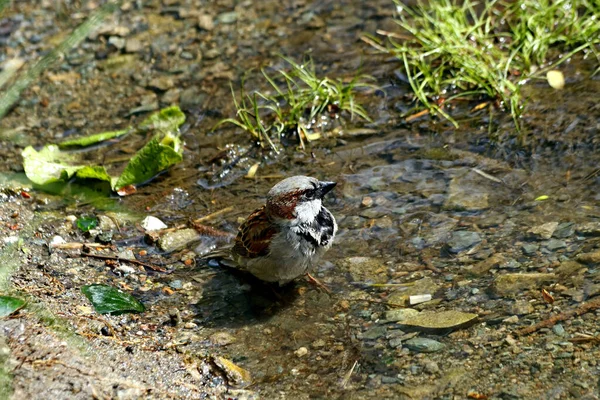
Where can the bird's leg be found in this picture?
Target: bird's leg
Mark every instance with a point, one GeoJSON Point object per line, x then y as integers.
{"type": "Point", "coordinates": [317, 283]}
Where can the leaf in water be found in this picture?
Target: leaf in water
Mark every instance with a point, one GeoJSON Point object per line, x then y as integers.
{"type": "Point", "coordinates": [85, 224]}
{"type": "Point", "coordinates": [110, 300]}
{"type": "Point", "coordinates": [9, 305]}
{"type": "Point", "coordinates": [166, 120]}
{"type": "Point", "coordinates": [542, 198]}
{"type": "Point", "coordinates": [51, 165]}
{"type": "Point", "coordinates": [163, 151]}
{"type": "Point", "coordinates": [93, 139]}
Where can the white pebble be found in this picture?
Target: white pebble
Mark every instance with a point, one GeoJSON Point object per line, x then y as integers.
{"type": "Point", "coordinates": [301, 352]}
{"type": "Point", "coordinates": [153, 224]}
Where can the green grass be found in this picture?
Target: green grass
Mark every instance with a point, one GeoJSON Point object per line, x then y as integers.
{"type": "Point", "coordinates": [488, 50]}
{"type": "Point", "coordinates": [298, 102]}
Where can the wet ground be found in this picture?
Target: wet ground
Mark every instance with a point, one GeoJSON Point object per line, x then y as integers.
{"type": "Point", "coordinates": [423, 209]}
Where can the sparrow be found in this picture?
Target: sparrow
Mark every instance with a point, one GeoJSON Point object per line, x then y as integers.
{"type": "Point", "coordinates": [286, 237]}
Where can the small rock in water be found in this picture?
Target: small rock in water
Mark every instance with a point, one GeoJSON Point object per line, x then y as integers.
{"type": "Point", "coordinates": [373, 333]}
{"type": "Point", "coordinates": [564, 230]}
{"type": "Point", "coordinates": [301, 352]}
{"type": "Point", "coordinates": [151, 223]}
{"type": "Point", "coordinates": [424, 345]}
{"type": "Point", "coordinates": [555, 244]}
{"type": "Point", "coordinates": [176, 240]}
{"type": "Point", "coordinates": [559, 330]}
{"type": "Point", "coordinates": [462, 240]}
{"type": "Point", "coordinates": [465, 194]}
{"type": "Point", "coordinates": [513, 283]}
{"type": "Point", "coordinates": [56, 240]}
{"type": "Point", "coordinates": [589, 229]}
{"type": "Point", "coordinates": [542, 232]}
{"type": "Point", "coordinates": [589, 258]}
{"type": "Point", "coordinates": [521, 307]}
{"type": "Point", "coordinates": [530, 249]}
{"type": "Point", "coordinates": [431, 367]}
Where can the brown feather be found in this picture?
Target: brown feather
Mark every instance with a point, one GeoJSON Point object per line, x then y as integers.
{"type": "Point", "coordinates": [254, 236]}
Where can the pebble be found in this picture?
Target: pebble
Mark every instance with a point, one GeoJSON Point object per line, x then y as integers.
{"type": "Point", "coordinates": [559, 330]}
{"type": "Point", "coordinates": [589, 229]}
{"type": "Point", "coordinates": [542, 232]}
{"type": "Point", "coordinates": [521, 307]}
{"type": "Point", "coordinates": [424, 345]}
{"type": "Point", "coordinates": [133, 45]}
{"type": "Point", "coordinates": [151, 223]}
{"type": "Point", "coordinates": [462, 240]}
{"type": "Point", "coordinates": [227, 17]}
{"type": "Point", "coordinates": [564, 230]}
{"type": "Point", "coordinates": [529, 249]}
{"type": "Point", "coordinates": [56, 240]}
{"type": "Point", "coordinates": [222, 338]}
{"type": "Point", "coordinates": [555, 244]}
{"type": "Point", "coordinates": [431, 367]}
{"type": "Point", "coordinates": [373, 333]}
{"type": "Point", "coordinates": [513, 283]}
{"type": "Point", "coordinates": [206, 22]}
{"type": "Point", "coordinates": [301, 352]}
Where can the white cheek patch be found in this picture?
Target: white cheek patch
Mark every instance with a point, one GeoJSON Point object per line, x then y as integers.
{"type": "Point", "coordinates": [306, 212]}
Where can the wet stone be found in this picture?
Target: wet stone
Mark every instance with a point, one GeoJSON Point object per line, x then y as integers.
{"type": "Point", "coordinates": [206, 22]}
{"type": "Point", "coordinates": [482, 267]}
{"type": "Point", "coordinates": [175, 240]}
{"type": "Point", "coordinates": [424, 345]}
{"type": "Point", "coordinates": [564, 230]}
{"type": "Point", "coordinates": [559, 330]}
{"type": "Point", "coordinates": [464, 194]}
{"type": "Point", "coordinates": [227, 17]}
{"type": "Point", "coordinates": [522, 307]}
{"type": "Point", "coordinates": [462, 240]}
{"type": "Point", "coordinates": [514, 283]}
{"type": "Point", "coordinates": [529, 249]}
{"type": "Point", "coordinates": [542, 232]}
{"type": "Point", "coordinates": [162, 83]}
{"type": "Point", "coordinates": [589, 258]}
{"type": "Point", "coordinates": [589, 229]}
{"type": "Point", "coordinates": [373, 333]}
{"type": "Point", "coordinates": [133, 45]}
{"type": "Point", "coordinates": [555, 244]}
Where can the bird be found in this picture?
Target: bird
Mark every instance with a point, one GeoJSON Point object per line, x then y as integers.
{"type": "Point", "coordinates": [285, 238]}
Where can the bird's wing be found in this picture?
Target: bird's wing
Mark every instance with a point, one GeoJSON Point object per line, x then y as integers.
{"type": "Point", "coordinates": [255, 235]}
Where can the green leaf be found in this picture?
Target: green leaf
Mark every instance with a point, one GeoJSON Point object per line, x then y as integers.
{"type": "Point", "coordinates": [9, 305]}
{"type": "Point", "coordinates": [542, 197]}
{"type": "Point", "coordinates": [163, 151]}
{"type": "Point", "coordinates": [51, 165]}
{"type": "Point", "coordinates": [86, 223]}
{"type": "Point", "coordinates": [93, 139]}
{"type": "Point", "coordinates": [166, 120]}
{"type": "Point", "coordinates": [110, 300]}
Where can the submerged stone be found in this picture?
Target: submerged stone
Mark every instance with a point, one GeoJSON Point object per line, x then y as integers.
{"type": "Point", "coordinates": [462, 240]}
{"type": "Point", "coordinates": [424, 345]}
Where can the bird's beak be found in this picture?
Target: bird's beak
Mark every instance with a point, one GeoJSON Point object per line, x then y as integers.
{"type": "Point", "coordinates": [324, 188]}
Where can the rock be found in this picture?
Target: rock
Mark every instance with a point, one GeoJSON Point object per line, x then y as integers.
{"type": "Point", "coordinates": [400, 314]}
{"type": "Point", "coordinates": [465, 195]}
{"type": "Point", "coordinates": [117, 42]}
{"type": "Point", "coordinates": [235, 375]}
{"type": "Point", "coordinates": [482, 267]}
{"type": "Point", "coordinates": [555, 244]}
{"type": "Point", "coordinates": [206, 22]}
{"type": "Point", "coordinates": [171, 96]}
{"type": "Point", "coordinates": [542, 232]}
{"type": "Point", "coordinates": [161, 83]}
{"type": "Point", "coordinates": [105, 223]}
{"type": "Point", "coordinates": [507, 284]}
{"type": "Point", "coordinates": [301, 352]}
{"type": "Point", "coordinates": [151, 223]}
{"type": "Point", "coordinates": [439, 320]}
{"type": "Point", "coordinates": [176, 240]}
{"type": "Point", "coordinates": [530, 249]}
{"type": "Point", "coordinates": [222, 338]}
{"type": "Point", "coordinates": [56, 241]}
{"type": "Point", "coordinates": [564, 230]}
{"type": "Point", "coordinates": [592, 258]}
{"type": "Point", "coordinates": [126, 254]}
{"type": "Point", "coordinates": [419, 298]}
{"type": "Point", "coordinates": [462, 240]}
{"type": "Point", "coordinates": [589, 229]}
{"type": "Point", "coordinates": [559, 330]}
{"type": "Point", "coordinates": [191, 97]}
{"type": "Point", "coordinates": [373, 333]}
{"type": "Point", "coordinates": [424, 345]}
{"type": "Point", "coordinates": [431, 367]}
{"type": "Point", "coordinates": [365, 269]}
{"type": "Point", "coordinates": [569, 269]}
{"type": "Point", "coordinates": [521, 307]}
{"type": "Point", "coordinates": [367, 201]}
{"type": "Point", "coordinates": [227, 17]}
{"type": "Point", "coordinates": [133, 45]}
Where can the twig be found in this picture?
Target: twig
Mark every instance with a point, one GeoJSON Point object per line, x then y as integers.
{"type": "Point", "coordinates": [209, 231]}
{"type": "Point", "coordinates": [132, 261]}
{"type": "Point", "coordinates": [417, 115]}
{"type": "Point", "coordinates": [213, 215]}
{"type": "Point", "coordinates": [547, 323]}
{"type": "Point", "coordinates": [79, 246]}
{"type": "Point", "coordinates": [385, 303]}
{"type": "Point", "coordinates": [348, 375]}
{"type": "Point", "coordinates": [487, 176]}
